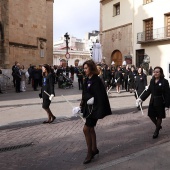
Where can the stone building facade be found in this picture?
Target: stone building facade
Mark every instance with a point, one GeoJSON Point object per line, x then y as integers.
{"type": "Point", "coordinates": [136, 29]}
{"type": "Point", "coordinates": [26, 29]}
{"type": "Point", "coordinates": [116, 31]}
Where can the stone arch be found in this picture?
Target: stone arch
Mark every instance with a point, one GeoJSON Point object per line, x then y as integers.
{"type": "Point", "coordinates": [76, 62]}
{"type": "Point", "coordinates": [117, 57]}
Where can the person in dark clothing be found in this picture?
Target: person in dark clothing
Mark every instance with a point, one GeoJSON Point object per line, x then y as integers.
{"type": "Point", "coordinates": [140, 83]}
{"type": "Point", "coordinates": [159, 102]}
{"type": "Point", "coordinates": [107, 76]}
{"type": "Point", "coordinates": [131, 80]}
{"type": "Point", "coordinates": [126, 77]}
{"type": "Point", "coordinates": [93, 87]}
{"type": "Point", "coordinates": [13, 73]}
{"type": "Point", "coordinates": [72, 72]}
{"type": "Point", "coordinates": [17, 76]}
{"type": "Point", "coordinates": [118, 78]}
{"type": "Point", "coordinates": [48, 86]}
{"type": "Point", "coordinates": [36, 76]}
{"type": "Point", "coordinates": [80, 77]}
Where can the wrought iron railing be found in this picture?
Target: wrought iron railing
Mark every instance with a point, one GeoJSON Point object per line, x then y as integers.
{"type": "Point", "coordinates": [154, 35]}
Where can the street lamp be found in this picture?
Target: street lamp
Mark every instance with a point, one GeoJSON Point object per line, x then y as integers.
{"type": "Point", "coordinates": [67, 38]}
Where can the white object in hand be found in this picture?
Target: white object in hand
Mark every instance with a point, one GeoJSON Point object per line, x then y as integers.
{"type": "Point", "coordinates": [75, 111]}
{"type": "Point", "coordinates": [50, 96]}
{"type": "Point", "coordinates": [115, 81]}
{"type": "Point", "coordinates": [90, 101]}
{"type": "Point", "coordinates": [146, 88]}
{"type": "Point", "coordinates": [139, 101]}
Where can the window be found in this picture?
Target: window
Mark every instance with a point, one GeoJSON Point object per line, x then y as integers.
{"type": "Point", "coordinates": [116, 9]}
{"type": "Point", "coordinates": [167, 25]}
{"type": "Point", "coordinates": [148, 29]}
{"type": "Point", "coordinates": [147, 1]}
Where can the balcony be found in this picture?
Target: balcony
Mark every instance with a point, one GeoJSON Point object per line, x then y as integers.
{"type": "Point", "coordinates": [159, 34]}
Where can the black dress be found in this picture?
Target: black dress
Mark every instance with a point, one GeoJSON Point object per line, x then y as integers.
{"type": "Point", "coordinates": [119, 77]}
{"type": "Point", "coordinates": [140, 83]}
{"type": "Point", "coordinates": [159, 97]}
{"type": "Point", "coordinates": [94, 87]}
{"type": "Point", "coordinates": [48, 86]}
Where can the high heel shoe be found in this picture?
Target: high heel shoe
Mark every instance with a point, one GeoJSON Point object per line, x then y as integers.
{"type": "Point", "coordinates": [52, 119]}
{"type": "Point", "coordinates": [156, 133]}
{"type": "Point", "coordinates": [95, 153]}
{"type": "Point", "coordinates": [86, 161]}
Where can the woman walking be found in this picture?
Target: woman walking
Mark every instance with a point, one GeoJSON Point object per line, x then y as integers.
{"type": "Point", "coordinates": [118, 78]}
{"type": "Point", "coordinates": [47, 86]}
{"type": "Point", "coordinates": [93, 109]}
{"type": "Point", "coordinates": [159, 102]}
{"type": "Point", "coordinates": [140, 83]}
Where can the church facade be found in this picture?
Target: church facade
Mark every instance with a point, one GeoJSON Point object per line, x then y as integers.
{"type": "Point", "coordinates": [26, 32]}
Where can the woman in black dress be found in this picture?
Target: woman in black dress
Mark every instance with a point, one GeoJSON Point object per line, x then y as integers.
{"type": "Point", "coordinates": [118, 78]}
{"type": "Point", "coordinates": [48, 86]}
{"type": "Point", "coordinates": [159, 102]}
{"type": "Point", "coordinates": [140, 83]}
{"type": "Point", "coordinates": [93, 87]}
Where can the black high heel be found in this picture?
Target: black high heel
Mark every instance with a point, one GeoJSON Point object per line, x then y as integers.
{"type": "Point", "coordinates": [95, 153]}
{"type": "Point", "coordinates": [156, 133]}
{"type": "Point", "coordinates": [86, 161]}
{"type": "Point", "coordinates": [52, 119]}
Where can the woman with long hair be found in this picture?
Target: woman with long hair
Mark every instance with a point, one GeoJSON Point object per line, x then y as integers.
{"type": "Point", "coordinates": [159, 102]}
{"type": "Point", "coordinates": [47, 87]}
{"type": "Point", "coordinates": [93, 110]}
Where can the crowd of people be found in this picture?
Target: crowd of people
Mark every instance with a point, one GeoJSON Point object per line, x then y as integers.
{"type": "Point", "coordinates": [95, 80]}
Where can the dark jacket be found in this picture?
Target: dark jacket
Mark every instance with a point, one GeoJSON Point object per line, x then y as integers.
{"type": "Point", "coordinates": [140, 83]}
{"type": "Point", "coordinates": [48, 86]}
{"type": "Point", "coordinates": [159, 93]}
{"type": "Point", "coordinates": [17, 73]}
{"type": "Point", "coordinates": [119, 76]}
{"type": "Point", "coordinates": [94, 88]}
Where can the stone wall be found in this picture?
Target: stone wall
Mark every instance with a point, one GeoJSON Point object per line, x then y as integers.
{"type": "Point", "coordinates": [28, 32]}
{"type": "Point", "coordinates": [119, 38]}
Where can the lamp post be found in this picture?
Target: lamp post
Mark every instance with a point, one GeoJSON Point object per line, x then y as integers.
{"type": "Point", "coordinates": [67, 38]}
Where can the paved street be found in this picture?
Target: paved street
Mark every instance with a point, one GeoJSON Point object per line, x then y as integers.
{"type": "Point", "coordinates": [124, 138]}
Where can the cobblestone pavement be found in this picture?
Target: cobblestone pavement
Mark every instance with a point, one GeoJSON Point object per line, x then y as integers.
{"type": "Point", "coordinates": [61, 145]}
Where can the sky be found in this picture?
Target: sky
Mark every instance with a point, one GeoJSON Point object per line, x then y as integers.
{"type": "Point", "coordinates": [76, 17]}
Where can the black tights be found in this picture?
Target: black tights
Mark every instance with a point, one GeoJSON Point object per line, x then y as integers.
{"type": "Point", "coordinates": [49, 113]}
{"type": "Point", "coordinates": [157, 121]}
{"type": "Point", "coordinates": [90, 136]}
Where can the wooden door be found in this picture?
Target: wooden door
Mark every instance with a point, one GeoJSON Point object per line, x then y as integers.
{"type": "Point", "coordinates": [149, 29]}
{"type": "Point", "coordinates": [117, 58]}
{"type": "Point", "coordinates": [168, 25]}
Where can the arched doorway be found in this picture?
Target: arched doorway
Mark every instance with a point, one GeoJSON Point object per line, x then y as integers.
{"type": "Point", "coordinates": [117, 57]}
{"type": "Point", "coordinates": [76, 63]}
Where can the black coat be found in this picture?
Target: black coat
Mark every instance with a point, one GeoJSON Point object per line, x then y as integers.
{"type": "Point", "coordinates": [119, 76]}
{"type": "Point", "coordinates": [159, 93]}
{"type": "Point", "coordinates": [48, 86]}
{"type": "Point", "coordinates": [94, 87]}
{"type": "Point", "coordinates": [140, 83]}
